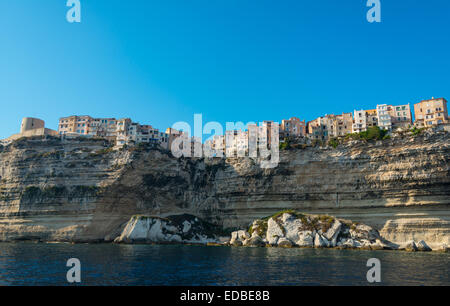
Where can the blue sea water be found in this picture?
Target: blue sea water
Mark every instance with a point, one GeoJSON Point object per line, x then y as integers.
{"type": "Point", "coordinates": [111, 264]}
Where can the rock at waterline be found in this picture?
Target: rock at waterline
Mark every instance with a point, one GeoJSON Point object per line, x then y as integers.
{"type": "Point", "coordinates": [422, 246]}
{"type": "Point", "coordinates": [410, 246]}
{"type": "Point", "coordinates": [239, 236]}
{"type": "Point", "coordinates": [173, 229]}
{"type": "Point", "coordinates": [255, 241]}
{"type": "Point", "coordinates": [320, 241]}
{"type": "Point", "coordinates": [305, 239]}
{"type": "Point", "coordinates": [274, 232]}
{"type": "Point", "coordinates": [284, 243]}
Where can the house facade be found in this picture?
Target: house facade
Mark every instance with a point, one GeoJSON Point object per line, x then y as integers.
{"type": "Point", "coordinates": [293, 127]}
{"type": "Point", "coordinates": [431, 112]}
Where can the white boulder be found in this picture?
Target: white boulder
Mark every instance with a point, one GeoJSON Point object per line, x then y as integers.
{"type": "Point", "coordinates": [239, 236]}
{"type": "Point", "coordinates": [333, 232]}
{"type": "Point", "coordinates": [320, 241]}
{"type": "Point", "coordinates": [274, 232]}
{"type": "Point", "coordinates": [305, 239]}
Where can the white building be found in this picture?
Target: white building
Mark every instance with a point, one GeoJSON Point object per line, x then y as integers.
{"type": "Point", "coordinates": [384, 119]}
{"type": "Point", "coordinates": [359, 121]}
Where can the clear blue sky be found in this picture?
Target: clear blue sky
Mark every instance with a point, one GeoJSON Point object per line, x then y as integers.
{"type": "Point", "coordinates": [159, 62]}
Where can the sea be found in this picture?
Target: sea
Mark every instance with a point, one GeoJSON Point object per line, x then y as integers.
{"type": "Point", "coordinates": [32, 264]}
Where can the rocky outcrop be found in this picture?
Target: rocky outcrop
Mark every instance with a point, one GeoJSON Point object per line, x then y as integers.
{"type": "Point", "coordinates": [174, 229]}
{"type": "Point", "coordinates": [83, 190]}
{"type": "Point", "coordinates": [292, 229]}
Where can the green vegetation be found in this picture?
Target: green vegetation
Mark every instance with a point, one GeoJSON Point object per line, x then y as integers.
{"type": "Point", "coordinates": [280, 213]}
{"type": "Point", "coordinates": [286, 144]}
{"type": "Point", "coordinates": [31, 192]}
{"type": "Point", "coordinates": [309, 222]}
{"type": "Point", "coordinates": [85, 190]}
{"type": "Point", "coordinates": [260, 229]}
{"type": "Point", "coordinates": [51, 191]}
{"type": "Point", "coordinates": [334, 142]}
{"type": "Point", "coordinates": [372, 133]}
{"type": "Point", "coordinates": [415, 131]}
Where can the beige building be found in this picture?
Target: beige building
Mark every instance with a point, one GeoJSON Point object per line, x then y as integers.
{"type": "Point", "coordinates": [122, 131]}
{"type": "Point", "coordinates": [385, 116]}
{"type": "Point", "coordinates": [400, 116]}
{"type": "Point", "coordinates": [329, 126]}
{"type": "Point", "coordinates": [317, 129]}
{"type": "Point", "coordinates": [372, 117]}
{"type": "Point", "coordinates": [431, 112]}
{"type": "Point", "coordinates": [172, 134]}
{"type": "Point", "coordinates": [292, 127]}
{"type": "Point", "coordinates": [75, 125]}
{"type": "Point", "coordinates": [340, 125]}
{"type": "Point", "coordinates": [31, 127]}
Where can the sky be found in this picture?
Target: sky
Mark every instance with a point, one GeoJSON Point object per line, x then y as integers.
{"type": "Point", "coordinates": [160, 62]}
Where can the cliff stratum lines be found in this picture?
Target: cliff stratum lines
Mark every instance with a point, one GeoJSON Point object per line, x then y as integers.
{"type": "Point", "coordinates": [82, 190]}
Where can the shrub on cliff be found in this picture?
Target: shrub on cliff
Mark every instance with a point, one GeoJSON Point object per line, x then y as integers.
{"type": "Point", "coordinates": [334, 142]}
{"type": "Point", "coordinates": [285, 145]}
{"type": "Point", "coordinates": [372, 133]}
{"type": "Point", "coordinates": [415, 131]}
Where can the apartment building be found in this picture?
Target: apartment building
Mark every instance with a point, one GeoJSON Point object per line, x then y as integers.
{"type": "Point", "coordinates": [363, 119]}
{"type": "Point", "coordinates": [384, 119]}
{"type": "Point", "coordinates": [236, 143]}
{"type": "Point", "coordinates": [317, 129]}
{"type": "Point", "coordinates": [431, 112]}
{"type": "Point", "coordinates": [252, 132]}
{"type": "Point", "coordinates": [292, 127]}
{"type": "Point", "coordinates": [400, 116]}
{"type": "Point", "coordinates": [329, 126]}
{"type": "Point", "coordinates": [372, 117]}
{"type": "Point", "coordinates": [385, 116]}
{"type": "Point", "coordinates": [78, 125]}
{"type": "Point", "coordinates": [340, 125]}
{"type": "Point", "coordinates": [360, 118]}
{"type": "Point", "coordinates": [122, 131]}
{"type": "Point", "coordinates": [218, 146]}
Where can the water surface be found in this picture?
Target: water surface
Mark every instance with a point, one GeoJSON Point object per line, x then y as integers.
{"type": "Point", "coordinates": [111, 264]}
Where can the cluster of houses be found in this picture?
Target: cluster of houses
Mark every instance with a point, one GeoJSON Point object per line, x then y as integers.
{"type": "Point", "coordinates": [427, 113]}
{"type": "Point", "coordinates": [389, 117]}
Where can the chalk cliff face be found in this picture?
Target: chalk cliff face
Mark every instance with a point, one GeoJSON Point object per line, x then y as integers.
{"type": "Point", "coordinates": [79, 190]}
